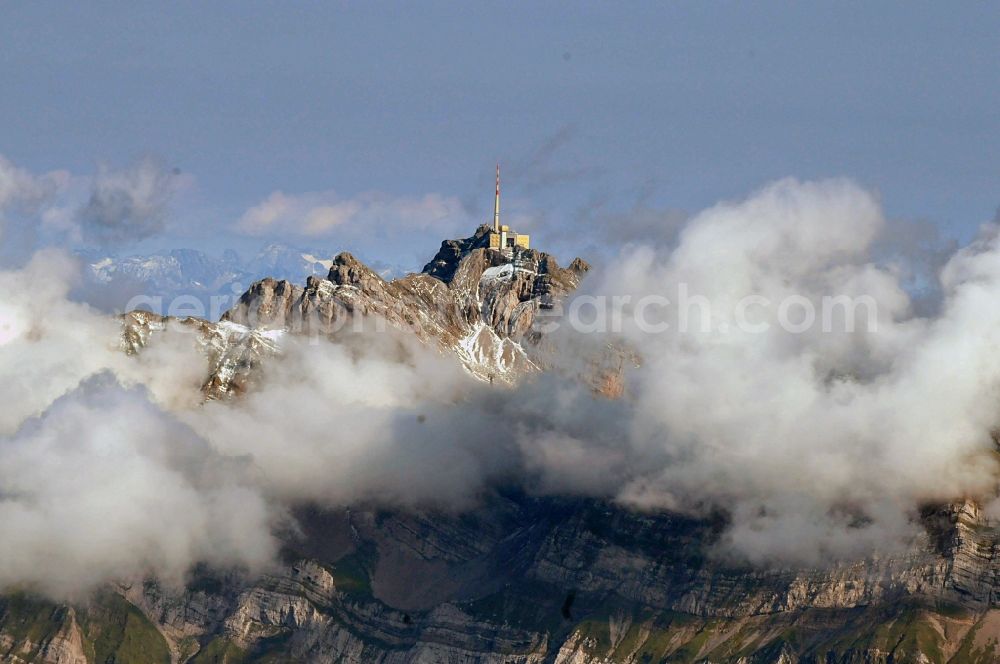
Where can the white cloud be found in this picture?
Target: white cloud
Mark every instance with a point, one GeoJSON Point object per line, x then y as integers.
{"type": "Point", "coordinates": [20, 187]}
{"type": "Point", "coordinates": [373, 223]}
{"type": "Point", "coordinates": [105, 485]}
{"type": "Point", "coordinates": [24, 197]}
{"type": "Point", "coordinates": [318, 214]}
{"type": "Point", "coordinates": [818, 445]}
{"type": "Point", "coordinates": [60, 209]}
{"type": "Point", "coordinates": [99, 480]}
{"type": "Point", "coordinates": [823, 427]}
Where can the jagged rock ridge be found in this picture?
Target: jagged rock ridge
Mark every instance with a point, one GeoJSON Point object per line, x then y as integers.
{"type": "Point", "coordinates": [469, 300]}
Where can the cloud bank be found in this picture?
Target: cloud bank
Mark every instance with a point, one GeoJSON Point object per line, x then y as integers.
{"type": "Point", "coordinates": [822, 442]}
{"type": "Point", "coordinates": [104, 485]}
{"type": "Point", "coordinates": [818, 444]}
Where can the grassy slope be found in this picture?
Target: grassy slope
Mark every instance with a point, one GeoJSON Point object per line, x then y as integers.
{"type": "Point", "coordinates": [112, 630]}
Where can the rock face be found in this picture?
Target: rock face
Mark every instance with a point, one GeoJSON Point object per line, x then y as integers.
{"type": "Point", "coordinates": [234, 352]}
{"type": "Point", "coordinates": [520, 579]}
{"type": "Point", "coordinates": [528, 580]}
{"type": "Point", "coordinates": [469, 300]}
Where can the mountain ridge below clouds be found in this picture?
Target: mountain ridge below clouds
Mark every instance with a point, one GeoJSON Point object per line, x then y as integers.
{"type": "Point", "coordinates": [517, 578]}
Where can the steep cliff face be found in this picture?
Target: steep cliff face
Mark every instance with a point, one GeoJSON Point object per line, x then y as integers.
{"type": "Point", "coordinates": [531, 580]}
{"type": "Point", "coordinates": [528, 580]}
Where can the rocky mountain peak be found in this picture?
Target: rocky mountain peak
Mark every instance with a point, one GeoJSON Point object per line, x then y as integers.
{"type": "Point", "coordinates": [266, 303]}
{"type": "Point", "coordinates": [579, 266]}
{"type": "Point", "coordinates": [469, 301]}
{"type": "Point", "coordinates": [349, 271]}
{"type": "Point", "coordinates": [446, 261]}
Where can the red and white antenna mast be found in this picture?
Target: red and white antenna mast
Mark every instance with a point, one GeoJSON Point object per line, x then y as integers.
{"type": "Point", "coordinates": [496, 204]}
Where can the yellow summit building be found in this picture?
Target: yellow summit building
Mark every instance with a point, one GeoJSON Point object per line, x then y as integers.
{"type": "Point", "coordinates": [502, 238]}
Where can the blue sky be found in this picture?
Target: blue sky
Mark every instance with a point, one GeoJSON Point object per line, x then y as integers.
{"type": "Point", "coordinates": [366, 109]}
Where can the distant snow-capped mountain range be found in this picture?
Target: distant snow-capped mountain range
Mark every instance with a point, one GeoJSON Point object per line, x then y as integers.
{"type": "Point", "coordinates": [175, 272]}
